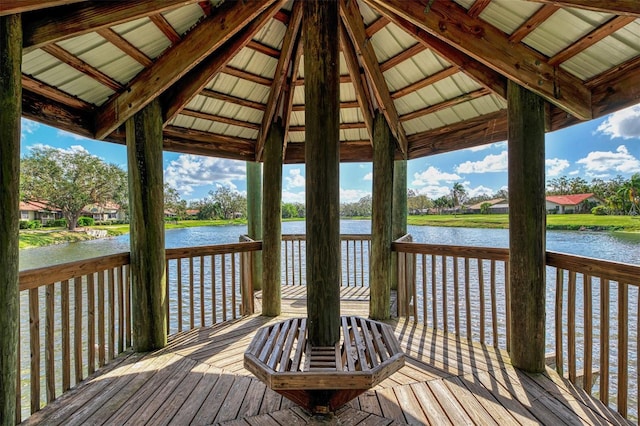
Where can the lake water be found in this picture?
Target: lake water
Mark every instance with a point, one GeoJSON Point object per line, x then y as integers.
{"type": "Point", "coordinates": [621, 247]}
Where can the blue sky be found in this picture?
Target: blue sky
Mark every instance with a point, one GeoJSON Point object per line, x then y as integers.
{"type": "Point", "coordinates": [602, 148]}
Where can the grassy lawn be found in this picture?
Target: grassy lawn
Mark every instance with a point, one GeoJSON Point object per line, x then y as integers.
{"type": "Point", "coordinates": [40, 238]}
{"type": "Point", "coordinates": [554, 221]}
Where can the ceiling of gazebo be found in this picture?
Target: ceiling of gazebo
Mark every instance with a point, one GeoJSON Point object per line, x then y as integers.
{"type": "Point", "coordinates": [225, 70]}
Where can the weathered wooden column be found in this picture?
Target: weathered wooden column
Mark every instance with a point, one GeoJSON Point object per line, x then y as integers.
{"type": "Point", "coordinates": [527, 223]}
{"type": "Point", "coordinates": [272, 220]}
{"type": "Point", "coordinates": [398, 212]}
{"type": "Point", "coordinates": [146, 205]}
{"type": "Point", "coordinates": [10, 111]}
{"type": "Point", "coordinates": [322, 159]}
{"type": "Point", "coordinates": [254, 216]}
{"type": "Point", "coordinates": [380, 263]}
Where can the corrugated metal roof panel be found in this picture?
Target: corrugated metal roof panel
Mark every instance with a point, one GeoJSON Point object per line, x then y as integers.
{"type": "Point", "coordinates": [390, 41]}
{"type": "Point", "coordinates": [145, 35]}
{"type": "Point", "coordinates": [562, 29]}
{"type": "Point", "coordinates": [350, 115]}
{"type": "Point", "coordinates": [183, 18]}
{"type": "Point", "coordinates": [465, 3]}
{"type": "Point", "coordinates": [414, 69]}
{"type": "Point", "coordinates": [296, 118]}
{"type": "Point", "coordinates": [298, 95]}
{"type": "Point", "coordinates": [38, 61]}
{"type": "Point", "coordinates": [234, 86]}
{"type": "Point", "coordinates": [272, 34]}
{"type": "Point", "coordinates": [87, 89]}
{"type": "Point", "coordinates": [347, 92]}
{"type": "Point", "coordinates": [254, 62]}
{"type": "Point", "coordinates": [296, 137]}
{"type": "Point", "coordinates": [508, 15]}
{"type": "Point", "coordinates": [353, 135]}
{"type": "Point", "coordinates": [226, 109]}
{"type": "Point", "coordinates": [368, 14]}
{"type": "Point", "coordinates": [619, 47]}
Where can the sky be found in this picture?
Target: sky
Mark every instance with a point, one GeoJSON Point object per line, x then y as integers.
{"type": "Point", "coordinates": [602, 148]}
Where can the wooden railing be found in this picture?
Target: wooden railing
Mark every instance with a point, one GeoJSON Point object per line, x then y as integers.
{"type": "Point", "coordinates": [456, 289]}
{"type": "Point", "coordinates": [77, 318]}
{"type": "Point", "coordinates": [355, 249]}
{"type": "Point", "coordinates": [596, 319]}
{"type": "Point", "coordinates": [210, 284]}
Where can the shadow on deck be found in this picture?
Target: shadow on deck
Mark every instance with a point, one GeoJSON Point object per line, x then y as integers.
{"type": "Point", "coordinates": [199, 378]}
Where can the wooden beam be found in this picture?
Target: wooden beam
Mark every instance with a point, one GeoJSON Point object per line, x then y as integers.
{"type": "Point", "coordinates": [343, 79]}
{"type": "Point", "coordinates": [432, 79]}
{"type": "Point", "coordinates": [343, 105]}
{"type": "Point", "coordinates": [402, 56]}
{"type": "Point", "coordinates": [39, 106]}
{"type": "Point", "coordinates": [322, 118]}
{"type": "Point", "coordinates": [146, 201]}
{"type": "Point", "coordinates": [353, 66]}
{"type": "Point", "coordinates": [264, 49]}
{"type": "Point", "coordinates": [254, 218]}
{"type": "Point", "coordinates": [219, 119]}
{"type": "Point", "coordinates": [398, 213]}
{"type": "Point", "coordinates": [527, 220]}
{"type": "Point", "coordinates": [487, 44]}
{"type": "Point", "coordinates": [80, 65]}
{"type": "Point", "coordinates": [52, 93]}
{"type": "Point", "coordinates": [185, 89]}
{"type": "Point", "coordinates": [245, 75]}
{"type": "Point", "coordinates": [376, 26]}
{"type": "Point", "coordinates": [479, 72]}
{"type": "Point", "coordinates": [343, 126]}
{"type": "Point", "coordinates": [203, 40]}
{"type": "Point", "coordinates": [10, 98]}
{"type": "Point", "coordinates": [590, 39]}
{"type": "Point", "coordinates": [189, 141]}
{"type": "Point", "coordinates": [478, 7]}
{"type": "Point", "coordinates": [618, 90]}
{"type": "Point", "coordinates": [290, 91]}
{"type": "Point", "coordinates": [532, 23]}
{"type": "Point", "coordinates": [232, 99]}
{"type": "Point", "coordinates": [350, 152]}
{"type": "Point", "coordinates": [51, 25]}
{"type": "Point", "coordinates": [9, 7]}
{"type": "Point", "coordinates": [279, 75]}
{"type": "Point", "coordinates": [618, 7]}
{"type": "Point", "coordinates": [355, 27]}
{"type": "Point", "coordinates": [445, 104]}
{"type": "Point", "coordinates": [165, 27]}
{"type": "Point", "coordinates": [124, 45]}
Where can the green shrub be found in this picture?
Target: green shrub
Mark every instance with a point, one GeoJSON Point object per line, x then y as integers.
{"type": "Point", "coordinates": [30, 224]}
{"type": "Point", "coordinates": [599, 211]}
{"type": "Point", "coordinates": [58, 223]}
{"type": "Point", "coordinates": [86, 221]}
{"type": "Point", "coordinates": [24, 224]}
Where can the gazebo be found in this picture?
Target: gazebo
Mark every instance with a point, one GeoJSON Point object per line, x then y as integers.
{"type": "Point", "coordinates": [320, 82]}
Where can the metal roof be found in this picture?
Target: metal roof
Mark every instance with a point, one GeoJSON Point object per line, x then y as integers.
{"type": "Point", "coordinates": [445, 86]}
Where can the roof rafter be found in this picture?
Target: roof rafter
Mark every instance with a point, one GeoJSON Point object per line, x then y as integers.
{"type": "Point", "coordinates": [532, 23]}
{"type": "Point", "coordinates": [232, 99]}
{"type": "Point", "coordinates": [402, 56]}
{"type": "Point", "coordinates": [9, 7]}
{"type": "Point", "coordinates": [165, 27]}
{"type": "Point", "coordinates": [219, 119]}
{"type": "Point", "coordinates": [477, 7]}
{"type": "Point", "coordinates": [351, 60]}
{"type": "Point", "coordinates": [479, 72]}
{"type": "Point", "coordinates": [291, 89]}
{"type": "Point", "coordinates": [355, 28]}
{"type": "Point", "coordinates": [181, 93]}
{"type": "Point", "coordinates": [487, 44]}
{"type": "Point", "coordinates": [618, 7]}
{"type": "Point", "coordinates": [202, 41]}
{"type": "Point", "coordinates": [124, 45]}
{"type": "Point", "coordinates": [280, 75]}
{"type": "Point", "coordinates": [445, 104]}
{"type": "Point", "coordinates": [52, 25]}
{"type": "Point", "coordinates": [428, 81]}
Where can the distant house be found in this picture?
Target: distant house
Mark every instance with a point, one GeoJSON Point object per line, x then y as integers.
{"type": "Point", "coordinates": [38, 210]}
{"type": "Point", "coordinates": [574, 203]}
{"type": "Point", "coordinates": [107, 211]}
{"type": "Point", "coordinates": [497, 205]}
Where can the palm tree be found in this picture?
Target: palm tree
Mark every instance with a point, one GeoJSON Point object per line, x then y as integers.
{"type": "Point", "coordinates": [458, 194]}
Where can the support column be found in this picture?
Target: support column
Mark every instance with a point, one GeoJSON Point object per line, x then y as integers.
{"type": "Point", "coordinates": [254, 216]}
{"type": "Point", "coordinates": [272, 220]}
{"type": "Point", "coordinates": [399, 212]}
{"type": "Point", "coordinates": [322, 156]}
{"type": "Point", "coordinates": [146, 203]}
{"type": "Point", "coordinates": [10, 111]}
{"type": "Point", "coordinates": [380, 263]}
{"type": "Point", "coordinates": [527, 227]}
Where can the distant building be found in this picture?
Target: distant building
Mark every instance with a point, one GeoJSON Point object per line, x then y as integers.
{"type": "Point", "coordinates": [574, 203]}
{"type": "Point", "coordinates": [497, 205]}
{"type": "Point", "coordinates": [102, 212]}
{"type": "Point", "coordinates": [38, 210]}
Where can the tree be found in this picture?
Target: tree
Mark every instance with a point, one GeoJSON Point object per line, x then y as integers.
{"type": "Point", "coordinates": [458, 194]}
{"type": "Point", "coordinates": [173, 203]}
{"type": "Point", "coordinates": [69, 180]}
{"type": "Point", "coordinates": [229, 202]}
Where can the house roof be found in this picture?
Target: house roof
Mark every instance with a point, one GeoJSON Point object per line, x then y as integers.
{"type": "Point", "coordinates": [35, 206]}
{"type": "Point", "coordinates": [495, 201]}
{"type": "Point", "coordinates": [568, 200]}
{"type": "Point", "coordinates": [225, 70]}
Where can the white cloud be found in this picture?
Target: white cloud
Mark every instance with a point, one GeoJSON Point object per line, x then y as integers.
{"type": "Point", "coordinates": [603, 162]}
{"type": "Point", "coordinates": [352, 195]}
{"type": "Point", "coordinates": [487, 146]}
{"type": "Point", "coordinates": [65, 134]}
{"type": "Point", "coordinates": [73, 149]}
{"type": "Point", "coordinates": [293, 197]}
{"type": "Point", "coordinates": [478, 190]}
{"type": "Point", "coordinates": [295, 179]}
{"type": "Point", "coordinates": [433, 176]}
{"type": "Point", "coordinates": [490, 164]}
{"type": "Point", "coordinates": [190, 171]}
{"type": "Point", "coordinates": [622, 124]}
{"type": "Point", "coordinates": [574, 172]}
{"type": "Point", "coordinates": [27, 127]}
{"type": "Point", "coordinates": [555, 166]}
{"type": "Point", "coordinates": [434, 191]}
{"type": "Point", "coordinates": [368, 176]}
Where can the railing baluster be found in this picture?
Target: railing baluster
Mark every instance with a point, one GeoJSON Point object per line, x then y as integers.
{"type": "Point", "coordinates": [112, 321]}
{"type": "Point", "coordinates": [494, 313]}
{"type": "Point", "coordinates": [127, 304]}
{"type": "Point", "coordinates": [286, 261]}
{"type": "Point", "coordinates": [202, 322]}
{"type": "Point", "coordinates": [347, 259]}
{"type": "Point", "coordinates": [168, 293]}
{"type": "Point", "coordinates": [191, 296]}
{"type": "Point", "coordinates": [121, 321]}
{"type": "Point", "coordinates": [66, 338]}
{"type": "Point", "coordinates": [605, 300]}
{"type": "Point", "coordinates": [623, 347]}
{"type": "Point", "coordinates": [507, 293]}
{"type": "Point", "coordinates": [34, 344]}
{"type": "Point", "coordinates": [179, 292]}
{"type": "Point", "coordinates": [558, 315]}
{"type": "Point", "coordinates": [456, 296]}
{"type": "Point", "coordinates": [481, 298]}
{"type": "Point", "coordinates": [361, 263]}
{"type": "Point", "coordinates": [233, 285]}
{"type": "Point", "coordinates": [77, 328]}
{"type": "Point", "coordinates": [587, 382]}
{"type": "Point", "coordinates": [571, 326]}
{"type": "Point", "coordinates": [224, 287]}
{"type": "Point", "coordinates": [19, 382]}
{"type": "Point", "coordinates": [467, 295]}
{"type": "Point", "coordinates": [214, 300]}
{"type": "Point", "coordinates": [49, 354]}
{"type": "Point", "coordinates": [424, 289]}
{"type": "Point", "coordinates": [434, 293]}
{"type": "Point", "coordinates": [91, 325]}
{"type": "Point", "coordinates": [300, 262]}
{"type": "Point", "coordinates": [445, 305]}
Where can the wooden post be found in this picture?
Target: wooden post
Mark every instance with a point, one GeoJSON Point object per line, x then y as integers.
{"type": "Point", "coordinates": [527, 222]}
{"type": "Point", "coordinates": [322, 154]}
{"type": "Point", "coordinates": [10, 112]}
{"type": "Point", "coordinates": [380, 263]}
{"type": "Point", "coordinates": [146, 200]}
{"type": "Point", "coordinates": [399, 212]}
{"type": "Point", "coordinates": [254, 216]}
{"type": "Point", "coordinates": [272, 220]}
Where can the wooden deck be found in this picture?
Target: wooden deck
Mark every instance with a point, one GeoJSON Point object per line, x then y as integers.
{"type": "Point", "coordinates": [199, 379]}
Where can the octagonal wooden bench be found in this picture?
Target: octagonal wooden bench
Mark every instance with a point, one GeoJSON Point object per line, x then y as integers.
{"type": "Point", "coordinates": [321, 379]}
